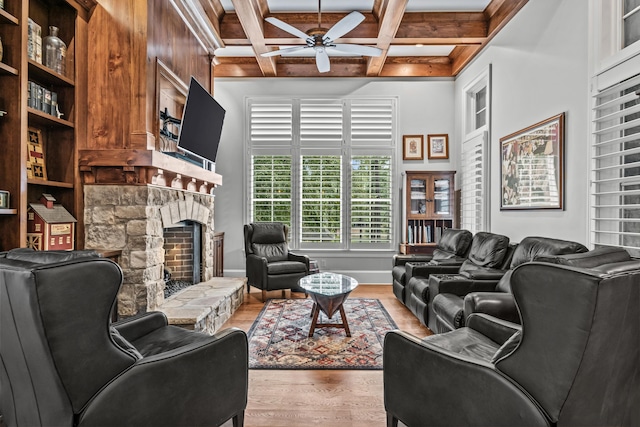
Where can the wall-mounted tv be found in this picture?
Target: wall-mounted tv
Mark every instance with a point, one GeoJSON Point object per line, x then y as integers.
{"type": "Point", "coordinates": [201, 125]}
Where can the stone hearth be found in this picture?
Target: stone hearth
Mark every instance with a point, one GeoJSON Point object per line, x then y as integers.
{"type": "Point", "coordinates": [131, 218]}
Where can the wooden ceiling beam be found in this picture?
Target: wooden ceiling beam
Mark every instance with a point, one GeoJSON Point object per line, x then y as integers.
{"type": "Point", "coordinates": [497, 14]}
{"type": "Point", "coordinates": [390, 20]}
{"type": "Point", "coordinates": [250, 13]}
{"type": "Point", "coordinates": [214, 11]}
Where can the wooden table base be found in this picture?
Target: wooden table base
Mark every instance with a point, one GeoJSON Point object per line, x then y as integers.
{"type": "Point", "coordinates": [314, 323]}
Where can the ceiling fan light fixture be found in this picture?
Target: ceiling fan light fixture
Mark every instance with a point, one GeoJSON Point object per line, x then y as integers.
{"type": "Point", "coordinates": [320, 38]}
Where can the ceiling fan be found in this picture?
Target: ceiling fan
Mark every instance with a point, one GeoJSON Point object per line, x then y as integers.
{"type": "Point", "coordinates": [322, 39]}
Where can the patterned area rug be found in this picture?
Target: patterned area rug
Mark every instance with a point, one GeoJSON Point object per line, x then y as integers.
{"type": "Point", "coordinates": [278, 339]}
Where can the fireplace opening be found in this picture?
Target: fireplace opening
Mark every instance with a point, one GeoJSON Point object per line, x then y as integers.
{"type": "Point", "coordinates": [182, 256]}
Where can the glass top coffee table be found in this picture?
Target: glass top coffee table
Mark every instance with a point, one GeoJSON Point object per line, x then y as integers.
{"type": "Point", "coordinates": [328, 292]}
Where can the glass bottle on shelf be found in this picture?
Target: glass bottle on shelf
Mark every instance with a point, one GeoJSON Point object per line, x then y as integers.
{"type": "Point", "coordinates": [55, 51]}
{"type": "Point", "coordinates": [191, 185]}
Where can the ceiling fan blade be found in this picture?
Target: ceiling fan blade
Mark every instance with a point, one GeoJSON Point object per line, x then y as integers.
{"type": "Point", "coordinates": [284, 51]}
{"type": "Point", "coordinates": [286, 27]}
{"type": "Point", "coordinates": [343, 26]}
{"type": "Point", "coordinates": [357, 49]}
{"type": "Point", "coordinates": [322, 61]}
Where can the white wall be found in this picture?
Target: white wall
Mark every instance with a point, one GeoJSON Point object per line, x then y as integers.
{"type": "Point", "coordinates": [539, 69]}
{"type": "Point", "coordinates": [424, 106]}
{"type": "Point", "coordinates": [539, 65]}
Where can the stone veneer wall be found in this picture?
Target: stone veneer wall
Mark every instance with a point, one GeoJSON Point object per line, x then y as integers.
{"type": "Point", "coordinates": [131, 218]}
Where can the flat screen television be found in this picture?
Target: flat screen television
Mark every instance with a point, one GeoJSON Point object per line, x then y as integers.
{"type": "Point", "coordinates": [201, 125]}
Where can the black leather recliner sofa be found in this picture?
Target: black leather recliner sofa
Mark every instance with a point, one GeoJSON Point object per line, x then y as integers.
{"type": "Point", "coordinates": [63, 364]}
{"type": "Point", "coordinates": [488, 254]}
{"type": "Point", "coordinates": [573, 362]}
{"type": "Point", "coordinates": [448, 255]}
{"type": "Point", "coordinates": [447, 309]}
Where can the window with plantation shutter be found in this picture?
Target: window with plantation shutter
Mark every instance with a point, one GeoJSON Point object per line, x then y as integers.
{"type": "Point", "coordinates": [474, 161]}
{"type": "Point", "coordinates": [615, 180]}
{"type": "Point", "coordinates": [271, 188]}
{"type": "Point", "coordinates": [371, 122]}
{"type": "Point", "coordinates": [271, 123]}
{"type": "Point", "coordinates": [371, 201]}
{"type": "Point", "coordinates": [325, 167]}
{"type": "Point", "coordinates": [321, 123]}
{"type": "Point", "coordinates": [473, 186]}
{"type": "Point", "coordinates": [321, 199]}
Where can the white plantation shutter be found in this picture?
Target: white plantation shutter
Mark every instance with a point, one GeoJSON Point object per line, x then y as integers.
{"type": "Point", "coordinates": [271, 188]}
{"type": "Point", "coordinates": [271, 123]}
{"type": "Point", "coordinates": [371, 200]}
{"type": "Point", "coordinates": [321, 123]}
{"type": "Point", "coordinates": [372, 122]}
{"type": "Point", "coordinates": [474, 197]}
{"type": "Point", "coordinates": [615, 175]}
{"type": "Point", "coordinates": [337, 156]}
{"type": "Point", "coordinates": [321, 199]}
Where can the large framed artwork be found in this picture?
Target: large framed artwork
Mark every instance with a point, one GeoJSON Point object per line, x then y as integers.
{"type": "Point", "coordinates": [532, 166]}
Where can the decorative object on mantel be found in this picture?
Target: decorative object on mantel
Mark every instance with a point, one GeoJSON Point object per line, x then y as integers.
{"type": "Point", "coordinates": [4, 199]}
{"type": "Point", "coordinates": [177, 182]}
{"type": "Point", "coordinates": [412, 147]}
{"type": "Point", "coordinates": [438, 146]}
{"type": "Point", "coordinates": [159, 179]}
{"type": "Point", "coordinates": [36, 167]}
{"type": "Point", "coordinates": [192, 185]}
{"type": "Point", "coordinates": [49, 226]}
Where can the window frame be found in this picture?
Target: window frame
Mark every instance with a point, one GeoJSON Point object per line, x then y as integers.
{"type": "Point", "coordinates": [362, 145]}
{"type": "Point", "coordinates": [474, 135]}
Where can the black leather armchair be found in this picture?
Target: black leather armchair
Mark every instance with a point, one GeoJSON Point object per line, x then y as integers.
{"type": "Point", "coordinates": [269, 264]}
{"type": "Point", "coordinates": [487, 253]}
{"type": "Point", "coordinates": [63, 364]}
{"type": "Point", "coordinates": [449, 254]}
{"type": "Point", "coordinates": [450, 294]}
{"type": "Point", "coordinates": [574, 363]}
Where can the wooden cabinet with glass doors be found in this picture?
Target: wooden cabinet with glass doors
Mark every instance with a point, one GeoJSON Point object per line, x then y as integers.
{"type": "Point", "coordinates": [430, 208]}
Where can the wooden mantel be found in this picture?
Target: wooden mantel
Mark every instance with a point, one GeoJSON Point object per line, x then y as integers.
{"type": "Point", "coordinates": [113, 166]}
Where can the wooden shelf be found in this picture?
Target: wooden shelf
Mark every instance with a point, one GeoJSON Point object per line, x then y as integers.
{"type": "Point", "coordinates": [8, 211]}
{"type": "Point", "coordinates": [7, 69]}
{"type": "Point", "coordinates": [45, 182]}
{"type": "Point", "coordinates": [146, 158]}
{"type": "Point", "coordinates": [7, 18]}
{"type": "Point", "coordinates": [44, 119]}
{"type": "Point", "coordinates": [45, 75]}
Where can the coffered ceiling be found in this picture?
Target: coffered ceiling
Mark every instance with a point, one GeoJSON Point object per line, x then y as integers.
{"type": "Point", "coordinates": [418, 38]}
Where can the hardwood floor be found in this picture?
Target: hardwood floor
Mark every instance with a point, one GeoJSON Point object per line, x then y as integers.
{"type": "Point", "coordinates": [343, 398]}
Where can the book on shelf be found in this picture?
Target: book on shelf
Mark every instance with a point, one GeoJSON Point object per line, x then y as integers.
{"type": "Point", "coordinates": [34, 41]}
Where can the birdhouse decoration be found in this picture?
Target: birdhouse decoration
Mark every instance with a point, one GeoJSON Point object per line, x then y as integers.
{"type": "Point", "coordinates": [49, 226]}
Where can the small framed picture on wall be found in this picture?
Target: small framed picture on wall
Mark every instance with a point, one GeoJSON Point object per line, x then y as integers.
{"type": "Point", "coordinates": [438, 146]}
{"type": "Point", "coordinates": [413, 147]}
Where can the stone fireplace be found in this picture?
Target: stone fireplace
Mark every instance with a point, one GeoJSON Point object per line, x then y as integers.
{"type": "Point", "coordinates": [132, 218]}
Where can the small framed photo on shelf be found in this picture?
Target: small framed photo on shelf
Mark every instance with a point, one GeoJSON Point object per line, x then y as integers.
{"type": "Point", "coordinates": [413, 147]}
{"type": "Point", "coordinates": [438, 146]}
{"type": "Point", "coordinates": [4, 199]}
{"type": "Point", "coordinates": [35, 151]}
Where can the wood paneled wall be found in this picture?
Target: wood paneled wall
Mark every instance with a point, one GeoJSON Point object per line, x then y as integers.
{"type": "Point", "coordinates": [126, 38]}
